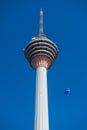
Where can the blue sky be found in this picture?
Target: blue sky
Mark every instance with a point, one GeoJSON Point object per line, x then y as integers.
{"type": "Point", "coordinates": [65, 23]}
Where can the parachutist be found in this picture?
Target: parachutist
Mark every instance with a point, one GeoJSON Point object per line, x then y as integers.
{"type": "Point", "coordinates": [67, 91]}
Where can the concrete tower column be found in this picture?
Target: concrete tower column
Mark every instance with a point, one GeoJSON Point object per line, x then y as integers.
{"type": "Point", "coordinates": [41, 103]}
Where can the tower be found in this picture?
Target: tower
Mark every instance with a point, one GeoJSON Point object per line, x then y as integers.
{"type": "Point", "coordinates": [41, 53]}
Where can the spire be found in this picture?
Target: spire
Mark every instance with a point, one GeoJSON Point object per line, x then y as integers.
{"type": "Point", "coordinates": [41, 22]}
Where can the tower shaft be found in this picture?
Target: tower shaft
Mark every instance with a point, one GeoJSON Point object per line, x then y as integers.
{"type": "Point", "coordinates": [41, 103]}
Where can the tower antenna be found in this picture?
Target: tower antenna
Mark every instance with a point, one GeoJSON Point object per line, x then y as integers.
{"type": "Point", "coordinates": [41, 22]}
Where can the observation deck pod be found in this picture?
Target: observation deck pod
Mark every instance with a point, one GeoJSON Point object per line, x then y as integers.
{"type": "Point", "coordinates": [41, 52]}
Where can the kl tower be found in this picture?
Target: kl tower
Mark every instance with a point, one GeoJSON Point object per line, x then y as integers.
{"type": "Point", "coordinates": [41, 53]}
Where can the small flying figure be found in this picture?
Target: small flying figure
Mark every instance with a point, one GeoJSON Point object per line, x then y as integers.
{"type": "Point", "coordinates": [67, 91]}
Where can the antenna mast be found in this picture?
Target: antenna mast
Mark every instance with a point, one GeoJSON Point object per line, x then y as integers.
{"type": "Point", "coordinates": [41, 22]}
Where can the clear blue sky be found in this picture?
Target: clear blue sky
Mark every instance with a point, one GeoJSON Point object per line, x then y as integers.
{"type": "Point", "coordinates": [65, 23]}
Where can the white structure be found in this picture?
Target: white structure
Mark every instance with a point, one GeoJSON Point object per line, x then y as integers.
{"type": "Point", "coordinates": [41, 53]}
{"type": "Point", "coordinates": [41, 108]}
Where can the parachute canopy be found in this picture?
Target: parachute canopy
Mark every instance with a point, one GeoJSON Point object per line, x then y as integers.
{"type": "Point", "coordinates": [67, 91]}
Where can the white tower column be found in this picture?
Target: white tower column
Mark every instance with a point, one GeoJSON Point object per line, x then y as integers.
{"type": "Point", "coordinates": [41, 100]}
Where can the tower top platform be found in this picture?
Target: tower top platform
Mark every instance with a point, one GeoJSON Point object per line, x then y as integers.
{"type": "Point", "coordinates": [41, 51]}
